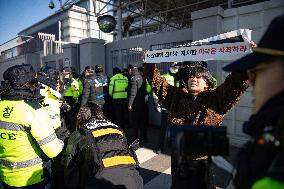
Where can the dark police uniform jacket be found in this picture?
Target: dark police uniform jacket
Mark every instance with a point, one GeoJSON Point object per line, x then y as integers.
{"type": "Point", "coordinates": [93, 91]}
{"type": "Point", "coordinates": [136, 93]}
{"type": "Point", "coordinates": [263, 155]}
{"type": "Point", "coordinates": [104, 157]}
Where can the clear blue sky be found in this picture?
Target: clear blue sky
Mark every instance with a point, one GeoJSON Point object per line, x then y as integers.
{"type": "Point", "coordinates": [16, 15]}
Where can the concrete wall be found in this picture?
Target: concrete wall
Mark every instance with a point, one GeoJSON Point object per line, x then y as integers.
{"type": "Point", "coordinates": [215, 20]}
{"type": "Point", "coordinates": [71, 53]}
{"type": "Point", "coordinates": [92, 52]}
{"type": "Point", "coordinates": [52, 61]}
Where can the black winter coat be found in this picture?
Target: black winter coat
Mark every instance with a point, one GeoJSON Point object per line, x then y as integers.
{"type": "Point", "coordinates": [92, 91]}
{"type": "Point", "coordinates": [93, 151]}
{"type": "Point", "coordinates": [256, 157]}
{"type": "Point", "coordinates": [136, 93]}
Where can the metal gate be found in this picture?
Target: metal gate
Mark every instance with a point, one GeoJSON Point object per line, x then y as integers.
{"type": "Point", "coordinates": [124, 52]}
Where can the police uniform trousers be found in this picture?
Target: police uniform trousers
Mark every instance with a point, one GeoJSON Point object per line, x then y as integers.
{"type": "Point", "coordinates": [120, 112]}
{"type": "Point", "coordinates": [163, 129]}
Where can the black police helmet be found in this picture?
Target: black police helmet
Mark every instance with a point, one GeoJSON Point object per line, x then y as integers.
{"type": "Point", "coordinates": [89, 68]}
{"type": "Point", "coordinates": [19, 75]}
{"type": "Point", "coordinates": [130, 66]}
{"type": "Point", "coordinates": [50, 72]}
{"type": "Point", "coordinates": [99, 68]}
{"type": "Point", "coordinates": [67, 70]}
{"type": "Point", "coordinates": [116, 70]}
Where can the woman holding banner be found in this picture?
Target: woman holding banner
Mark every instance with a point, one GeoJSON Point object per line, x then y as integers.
{"type": "Point", "coordinates": [199, 103]}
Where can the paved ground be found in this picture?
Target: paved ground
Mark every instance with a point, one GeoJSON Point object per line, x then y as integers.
{"type": "Point", "coordinates": [156, 168]}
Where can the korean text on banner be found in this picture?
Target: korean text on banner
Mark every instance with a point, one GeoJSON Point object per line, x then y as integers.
{"type": "Point", "coordinates": [219, 47]}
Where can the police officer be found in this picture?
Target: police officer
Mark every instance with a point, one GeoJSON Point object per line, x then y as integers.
{"type": "Point", "coordinates": [104, 158]}
{"type": "Point", "coordinates": [118, 92]}
{"type": "Point", "coordinates": [92, 89]}
{"type": "Point", "coordinates": [136, 103]}
{"type": "Point", "coordinates": [25, 132]}
{"type": "Point", "coordinates": [70, 93]}
{"type": "Point", "coordinates": [102, 78]}
{"type": "Point", "coordinates": [147, 90]}
{"type": "Point", "coordinates": [71, 89]}
{"type": "Point", "coordinates": [102, 88]}
{"type": "Point", "coordinates": [260, 161]}
{"type": "Point", "coordinates": [80, 84]}
{"type": "Point", "coordinates": [49, 89]}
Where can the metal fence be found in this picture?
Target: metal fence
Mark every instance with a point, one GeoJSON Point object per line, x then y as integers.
{"type": "Point", "coordinates": [164, 66]}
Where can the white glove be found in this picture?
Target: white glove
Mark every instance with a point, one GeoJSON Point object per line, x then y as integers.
{"type": "Point", "coordinates": [158, 109]}
{"type": "Point", "coordinates": [146, 98]}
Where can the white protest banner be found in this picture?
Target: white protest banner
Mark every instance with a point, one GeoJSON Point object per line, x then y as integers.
{"type": "Point", "coordinates": [227, 46]}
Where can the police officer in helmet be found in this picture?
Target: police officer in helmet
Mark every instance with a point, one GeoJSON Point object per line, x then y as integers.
{"type": "Point", "coordinates": [27, 136]}
{"type": "Point", "coordinates": [92, 91]}
{"type": "Point", "coordinates": [101, 153]}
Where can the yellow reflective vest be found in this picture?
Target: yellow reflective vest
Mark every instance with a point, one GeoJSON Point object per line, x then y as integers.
{"type": "Point", "coordinates": [73, 90]}
{"type": "Point", "coordinates": [52, 104]}
{"type": "Point", "coordinates": [148, 87]}
{"type": "Point", "coordinates": [118, 86]}
{"type": "Point", "coordinates": [25, 134]}
{"type": "Point", "coordinates": [81, 87]}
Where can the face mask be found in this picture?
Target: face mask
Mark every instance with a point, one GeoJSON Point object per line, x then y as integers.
{"type": "Point", "coordinates": [173, 70]}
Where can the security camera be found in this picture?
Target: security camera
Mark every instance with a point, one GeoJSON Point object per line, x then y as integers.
{"type": "Point", "coordinates": [106, 23]}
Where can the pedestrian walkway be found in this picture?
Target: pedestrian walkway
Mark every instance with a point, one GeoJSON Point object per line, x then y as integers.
{"type": "Point", "coordinates": [156, 168]}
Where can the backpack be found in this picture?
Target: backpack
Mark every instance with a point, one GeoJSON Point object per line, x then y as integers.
{"type": "Point", "coordinates": [73, 162]}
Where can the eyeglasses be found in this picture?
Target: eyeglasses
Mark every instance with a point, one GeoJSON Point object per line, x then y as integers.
{"type": "Point", "coordinates": [252, 73]}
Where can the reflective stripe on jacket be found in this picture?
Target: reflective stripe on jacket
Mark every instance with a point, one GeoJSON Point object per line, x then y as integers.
{"type": "Point", "coordinates": [111, 143]}
{"type": "Point", "coordinates": [118, 86]}
{"type": "Point", "coordinates": [111, 139]}
{"type": "Point", "coordinates": [25, 132]}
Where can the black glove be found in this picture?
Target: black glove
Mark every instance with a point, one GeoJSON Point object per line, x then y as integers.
{"type": "Point", "coordinates": [65, 107]}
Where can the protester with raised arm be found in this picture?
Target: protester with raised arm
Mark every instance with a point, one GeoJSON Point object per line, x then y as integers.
{"type": "Point", "coordinates": [199, 103]}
